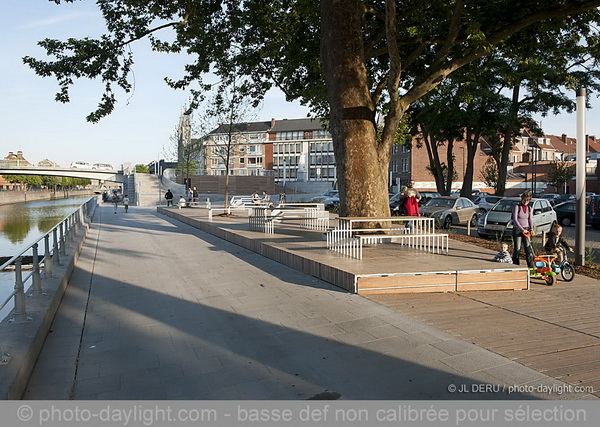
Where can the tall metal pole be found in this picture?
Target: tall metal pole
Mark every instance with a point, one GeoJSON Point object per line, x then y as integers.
{"type": "Point", "coordinates": [580, 180]}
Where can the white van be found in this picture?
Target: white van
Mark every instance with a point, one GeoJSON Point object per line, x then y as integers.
{"type": "Point", "coordinates": [80, 165]}
{"type": "Point", "coordinates": [103, 167]}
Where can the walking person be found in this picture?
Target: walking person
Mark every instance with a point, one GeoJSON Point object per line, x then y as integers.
{"type": "Point", "coordinates": [522, 219]}
{"type": "Point", "coordinates": [115, 200]}
{"type": "Point", "coordinates": [169, 197]}
{"type": "Point", "coordinates": [190, 195]}
{"type": "Point", "coordinates": [195, 195]}
{"type": "Point", "coordinates": [126, 203]}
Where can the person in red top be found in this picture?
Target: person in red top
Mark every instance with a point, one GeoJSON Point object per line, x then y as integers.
{"type": "Point", "coordinates": [411, 199]}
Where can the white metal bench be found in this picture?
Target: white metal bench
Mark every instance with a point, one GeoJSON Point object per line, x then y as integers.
{"type": "Point", "coordinates": [311, 217]}
{"type": "Point", "coordinates": [418, 233]}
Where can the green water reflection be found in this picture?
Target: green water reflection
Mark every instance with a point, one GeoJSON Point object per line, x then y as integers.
{"type": "Point", "coordinates": [23, 223]}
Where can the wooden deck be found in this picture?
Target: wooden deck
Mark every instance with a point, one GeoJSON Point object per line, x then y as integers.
{"type": "Point", "coordinates": [553, 330]}
{"type": "Point", "coordinates": [385, 268]}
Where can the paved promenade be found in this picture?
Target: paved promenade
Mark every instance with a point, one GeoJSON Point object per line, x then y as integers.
{"type": "Point", "coordinates": [159, 310]}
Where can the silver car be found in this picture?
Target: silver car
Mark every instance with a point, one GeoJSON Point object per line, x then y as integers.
{"type": "Point", "coordinates": [450, 210]}
{"type": "Point", "coordinates": [497, 222]}
{"type": "Point", "coordinates": [325, 195]}
{"type": "Point", "coordinates": [486, 202]}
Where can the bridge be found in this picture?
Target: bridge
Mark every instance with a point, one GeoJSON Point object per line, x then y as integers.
{"type": "Point", "coordinates": [10, 168]}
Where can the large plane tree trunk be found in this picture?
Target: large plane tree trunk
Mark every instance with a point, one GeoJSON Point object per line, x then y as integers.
{"type": "Point", "coordinates": [362, 162]}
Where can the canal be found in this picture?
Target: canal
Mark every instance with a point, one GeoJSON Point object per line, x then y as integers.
{"type": "Point", "coordinates": [21, 224]}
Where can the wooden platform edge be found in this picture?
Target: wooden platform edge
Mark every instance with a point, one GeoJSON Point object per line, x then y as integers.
{"type": "Point", "coordinates": [410, 282]}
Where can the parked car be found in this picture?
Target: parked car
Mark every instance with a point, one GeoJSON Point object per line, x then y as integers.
{"type": "Point", "coordinates": [325, 195]}
{"type": "Point", "coordinates": [427, 196]}
{"type": "Point", "coordinates": [332, 202]}
{"type": "Point", "coordinates": [102, 167]}
{"type": "Point", "coordinates": [497, 222]}
{"type": "Point", "coordinates": [552, 198]}
{"type": "Point", "coordinates": [396, 207]}
{"type": "Point", "coordinates": [485, 202]}
{"type": "Point", "coordinates": [593, 211]}
{"type": "Point", "coordinates": [448, 211]}
{"type": "Point", "coordinates": [81, 165]}
{"type": "Point", "coordinates": [565, 212]}
{"type": "Point", "coordinates": [566, 197]}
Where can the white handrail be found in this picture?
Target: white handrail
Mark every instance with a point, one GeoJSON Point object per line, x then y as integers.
{"type": "Point", "coordinates": [60, 233]}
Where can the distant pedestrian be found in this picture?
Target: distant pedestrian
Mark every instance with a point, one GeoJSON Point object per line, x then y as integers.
{"type": "Point", "coordinates": [190, 195]}
{"type": "Point", "coordinates": [126, 203]}
{"type": "Point", "coordinates": [115, 199]}
{"type": "Point", "coordinates": [169, 197]}
{"type": "Point", "coordinates": [182, 202]}
{"type": "Point", "coordinates": [504, 254]}
{"type": "Point", "coordinates": [195, 195]}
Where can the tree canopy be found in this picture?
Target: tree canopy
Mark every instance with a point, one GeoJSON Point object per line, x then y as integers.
{"type": "Point", "coordinates": [345, 58]}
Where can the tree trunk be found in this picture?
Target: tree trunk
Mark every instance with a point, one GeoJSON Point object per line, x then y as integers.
{"type": "Point", "coordinates": [472, 141]}
{"type": "Point", "coordinates": [362, 162]}
{"type": "Point", "coordinates": [434, 162]}
{"type": "Point", "coordinates": [507, 146]}
{"type": "Point", "coordinates": [450, 168]}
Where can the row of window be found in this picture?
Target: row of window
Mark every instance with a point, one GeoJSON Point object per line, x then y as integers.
{"type": "Point", "coordinates": [219, 162]}
{"type": "Point", "coordinates": [298, 135]}
{"type": "Point", "coordinates": [219, 150]}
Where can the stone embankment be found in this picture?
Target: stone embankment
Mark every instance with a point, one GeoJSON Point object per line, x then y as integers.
{"type": "Point", "coordinates": [9, 197]}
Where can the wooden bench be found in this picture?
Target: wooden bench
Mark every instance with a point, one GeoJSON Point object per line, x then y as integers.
{"type": "Point", "coordinates": [417, 232]}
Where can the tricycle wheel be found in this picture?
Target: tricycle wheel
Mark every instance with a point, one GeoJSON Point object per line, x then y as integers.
{"type": "Point", "coordinates": [567, 272]}
{"type": "Point", "coordinates": [550, 279]}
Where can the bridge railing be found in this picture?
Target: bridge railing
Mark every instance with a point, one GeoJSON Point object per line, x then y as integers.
{"type": "Point", "coordinates": [53, 244]}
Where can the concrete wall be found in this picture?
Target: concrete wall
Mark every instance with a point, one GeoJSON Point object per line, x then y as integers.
{"type": "Point", "coordinates": [240, 185]}
{"type": "Point", "coordinates": [9, 197]}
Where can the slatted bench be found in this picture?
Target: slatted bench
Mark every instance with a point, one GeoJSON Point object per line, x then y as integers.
{"type": "Point", "coordinates": [416, 232]}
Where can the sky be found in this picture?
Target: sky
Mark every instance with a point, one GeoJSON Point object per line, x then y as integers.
{"type": "Point", "coordinates": [139, 129]}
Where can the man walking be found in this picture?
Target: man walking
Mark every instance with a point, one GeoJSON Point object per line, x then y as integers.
{"type": "Point", "coordinates": [169, 197]}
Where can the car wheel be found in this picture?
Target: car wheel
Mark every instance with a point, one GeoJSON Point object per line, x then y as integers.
{"type": "Point", "coordinates": [565, 221]}
{"type": "Point", "coordinates": [474, 219]}
{"type": "Point", "coordinates": [447, 222]}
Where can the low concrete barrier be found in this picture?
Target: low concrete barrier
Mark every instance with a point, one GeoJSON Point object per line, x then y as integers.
{"type": "Point", "coordinates": [23, 341]}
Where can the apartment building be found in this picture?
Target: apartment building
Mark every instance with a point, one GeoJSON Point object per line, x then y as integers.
{"type": "Point", "coordinates": [249, 152]}
{"type": "Point", "coordinates": [302, 151]}
{"type": "Point", "coordinates": [289, 149]}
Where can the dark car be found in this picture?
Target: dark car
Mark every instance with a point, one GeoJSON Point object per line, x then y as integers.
{"type": "Point", "coordinates": [552, 198]}
{"type": "Point", "coordinates": [565, 212]}
{"type": "Point", "coordinates": [593, 211]}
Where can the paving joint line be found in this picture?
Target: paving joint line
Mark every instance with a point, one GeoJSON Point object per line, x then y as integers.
{"type": "Point", "coordinates": [87, 302]}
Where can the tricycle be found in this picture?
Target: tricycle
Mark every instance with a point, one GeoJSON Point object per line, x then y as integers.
{"type": "Point", "coordinates": [548, 267]}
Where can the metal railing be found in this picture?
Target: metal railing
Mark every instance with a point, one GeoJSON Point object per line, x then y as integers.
{"type": "Point", "coordinates": [54, 245]}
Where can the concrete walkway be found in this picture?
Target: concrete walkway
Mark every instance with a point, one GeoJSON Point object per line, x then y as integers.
{"type": "Point", "coordinates": [160, 310]}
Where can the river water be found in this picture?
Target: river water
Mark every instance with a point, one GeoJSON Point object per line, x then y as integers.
{"type": "Point", "coordinates": [21, 224]}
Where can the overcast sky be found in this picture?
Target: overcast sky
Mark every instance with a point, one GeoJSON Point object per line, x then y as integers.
{"type": "Point", "coordinates": [140, 127]}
